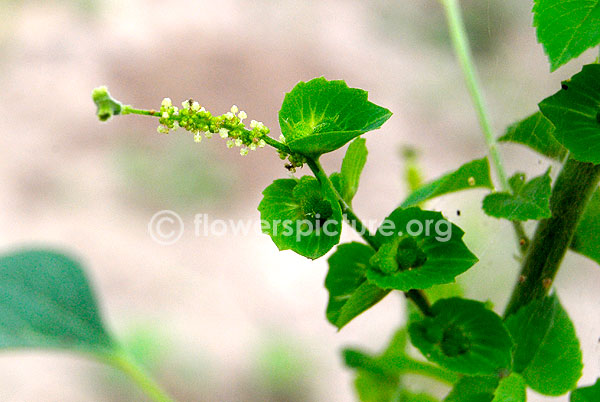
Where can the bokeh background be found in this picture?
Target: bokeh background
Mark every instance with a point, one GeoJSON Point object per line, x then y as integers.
{"type": "Point", "coordinates": [229, 318]}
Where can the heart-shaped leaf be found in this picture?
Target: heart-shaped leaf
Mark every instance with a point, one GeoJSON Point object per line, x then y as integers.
{"type": "Point", "coordinates": [46, 302]}
{"type": "Point", "coordinates": [419, 249]}
{"type": "Point", "coordinates": [320, 116]}
{"type": "Point", "coordinates": [298, 217]}
{"type": "Point", "coordinates": [530, 200]}
{"type": "Point", "coordinates": [575, 113]}
{"type": "Point", "coordinates": [547, 351]}
{"type": "Point", "coordinates": [463, 336]}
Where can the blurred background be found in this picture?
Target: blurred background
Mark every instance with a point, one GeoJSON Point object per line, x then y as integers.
{"type": "Point", "coordinates": [229, 318]}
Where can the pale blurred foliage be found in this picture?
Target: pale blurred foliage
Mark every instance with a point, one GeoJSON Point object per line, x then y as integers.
{"type": "Point", "coordinates": [230, 318]}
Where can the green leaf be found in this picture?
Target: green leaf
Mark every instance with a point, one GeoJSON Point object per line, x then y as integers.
{"type": "Point", "coordinates": [529, 200]}
{"type": "Point", "coordinates": [587, 394]}
{"type": "Point", "coordinates": [349, 292]}
{"type": "Point", "coordinates": [575, 114]}
{"type": "Point", "coordinates": [586, 240]}
{"type": "Point", "coordinates": [46, 302]}
{"type": "Point", "coordinates": [475, 174]}
{"type": "Point", "coordinates": [352, 166]}
{"type": "Point", "coordinates": [473, 389]}
{"type": "Point", "coordinates": [320, 116]}
{"type": "Point", "coordinates": [536, 132]}
{"type": "Point", "coordinates": [547, 351]}
{"type": "Point", "coordinates": [566, 28]}
{"type": "Point", "coordinates": [297, 217]}
{"type": "Point", "coordinates": [463, 336]}
{"type": "Point", "coordinates": [419, 249]}
{"type": "Point", "coordinates": [511, 389]}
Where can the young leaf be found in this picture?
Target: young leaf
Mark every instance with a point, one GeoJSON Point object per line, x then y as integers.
{"type": "Point", "coordinates": [566, 28]}
{"type": "Point", "coordinates": [586, 240]}
{"type": "Point", "coordinates": [574, 112]}
{"type": "Point", "coordinates": [297, 217]}
{"type": "Point", "coordinates": [106, 105]}
{"type": "Point", "coordinates": [320, 116]}
{"type": "Point", "coordinates": [473, 389]}
{"type": "Point", "coordinates": [535, 132]}
{"type": "Point", "coordinates": [46, 302]}
{"type": "Point", "coordinates": [587, 394]}
{"type": "Point", "coordinates": [352, 166]}
{"type": "Point", "coordinates": [547, 351]}
{"type": "Point", "coordinates": [463, 336]}
{"type": "Point", "coordinates": [511, 389]}
{"type": "Point", "coordinates": [529, 200]}
{"type": "Point", "coordinates": [349, 292]}
{"type": "Point", "coordinates": [475, 174]}
{"type": "Point", "coordinates": [419, 249]}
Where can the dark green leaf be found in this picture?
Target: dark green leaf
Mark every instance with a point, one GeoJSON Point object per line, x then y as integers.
{"type": "Point", "coordinates": [419, 249]}
{"type": "Point", "coordinates": [320, 116]}
{"type": "Point", "coordinates": [547, 351]}
{"type": "Point", "coordinates": [46, 302]}
{"type": "Point", "coordinates": [575, 113]}
{"type": "Point", "coordinates": [529, 200]}
{"type": "Point", "coordinates": [297, 217]}
{"type": "Point", "coordinates": [586, 240]}
{"type": "Point", "coordinates": [352, 166]}
{"type": "Point", "coordinates": [473, 389]}
{"type": "Point", "coordinates": [535, 132]}
{"type": "Point", "coordinates": [349, 292]}
{"type": "Point", "coordinates": [587, 394]}
{"type": "Point", "coordinates": [511, 389]}
{"type": "Point", "coordinates": [566, 28]}
{"type": "Point", "coordinates": [475, 174]}
{"type": "Point", "coordinates": [463, 336]}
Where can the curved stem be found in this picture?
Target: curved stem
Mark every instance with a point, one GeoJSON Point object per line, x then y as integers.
{"type": "Point", "coordinates": [460, 42]}
{"type": "Point", "coordinates": [573, 189]}
{"type": "Point", "coordinates": [415, 295]}
{"type": "Point", "coordinates": [124, 362]}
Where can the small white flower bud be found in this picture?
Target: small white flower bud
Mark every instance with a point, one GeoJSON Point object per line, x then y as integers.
{"type": "Point", "coordinates": [252, 147]}
{"type": "Point", "coordinates": [195, 106]}
{"type": "Point", "coordinates": [261, 143]}
{"type": "Point", "coordinates": [165, 115]}
{"type": "Point", "coordinates": [185, 104]}
{"type": "Point", "coordinates": [242, 115]}
{"type": "Point", "coordinates": [223, 132]}
{"type": "Point", "coordinates": [238, 142]}
{"type": "Point", "coordinates": [253, 123]}
{"type": "Point", "coordinates": [229, 143]}
{"type": "Point", "coordinates": [197, 137]}
{"type": "Point", "coordinates": [244, 151]}
{"type": "Point", "coordinates": [234, 109]}
{"type": "Point", "coordinates": [166, 102]}
{"type": "Point", "coordinates": [208, 134]}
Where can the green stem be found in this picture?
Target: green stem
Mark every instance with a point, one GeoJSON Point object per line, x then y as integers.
{"type": "Point", "coordinates": [573, 189]}
{"type": "Point", "coordinates": [415, 295]}
{"type": "Point", "coordinates": [462, 48]}
{"type": "Point", "coordinates": [127, 109]}
{"type": "Point", "coordinates": [124, 362]}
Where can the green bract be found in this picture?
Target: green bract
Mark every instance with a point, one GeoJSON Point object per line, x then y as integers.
{"type": "Point", "coordinates": [349, 291]}
{"type": "Point", "coordinates": [575, 113]}
{"type": "Point", "coordinates": [46, 302]}
{"type": "Point", "coordinates": [463, 336]}
{"type": "Point", "coordinates": [320, 116]}
{"type": "Point", "coordinates": [566, 28]}
{"type": "Point", "coordinates": [530, 200]}
{"type": "Point", "coordinates": [419, 249]}
{"type": "Point", "coordinates": [535, 132]}
{"type": "Point", "coordinates": [475, 174]}
{"type": "Point", "coordinates": [297, 217]}
{"type": "Point", "coordinates": [547, 351]}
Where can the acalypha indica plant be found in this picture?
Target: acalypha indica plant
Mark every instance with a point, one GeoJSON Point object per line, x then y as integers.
{"type": "Point", "coordinates": [480, 354]}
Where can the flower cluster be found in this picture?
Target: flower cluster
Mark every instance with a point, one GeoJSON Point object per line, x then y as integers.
{"type": "Point", "coordinates": [197, 120]}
